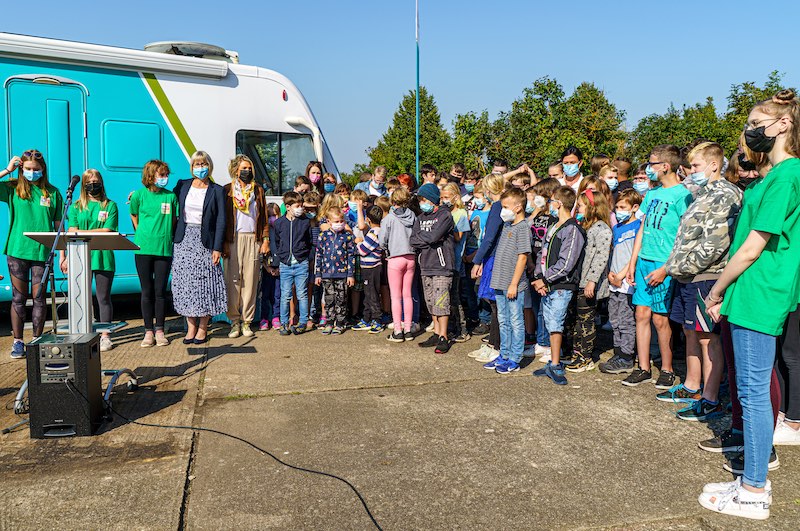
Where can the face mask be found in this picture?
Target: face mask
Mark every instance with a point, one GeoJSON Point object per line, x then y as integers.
{"type": "Point", "coordinates": [529, 207]}
{"type": "Point", "coordinates": [744, 182]}
{"type": "Point", "coordinates": [94, 189]}
{"type": "Point", "coordinates": [539, 201]}
{"type": "Point", "coordinates": [699, 178]}
{"type": "Point", "coordinates": [745, 164]}
{"type": "Point", "coordinates": [161, 182]}
{"type": "Point", "coordinates": [377, 186]}
{"type": "Point", "coordinates": [447, 204]}
{"type": "Point", "coordinates": [507, 215]}
{"type": "Point", "coordinates": [200, 173]}
{"type": "Point", "coordinates": [426, 207]}
{"type": "Point", "coordinates": [337, 227]}
{"type": "Point", "coordinates": [297, 212]}
{"type": "Point", "coordinates": [651, 173]}
{"type": "Point", "coordinates": [758, 141]}
{"type": "Point", "coordinates": [314, 178]}
{"type": "Point", "coordinates": [469, 187]}
{"type": "Point", "coordinates": [623, 215]}
{"type": "Point", "coordinates": [571, 170]}
{"type": "Point", "coordinates": [580, 217]}
{"type": "Point", "coordinates": [352, 205]}
{"type": "Point", "coordinates": [641, 186]}
{"type": "Point", "coordinates": [246, 176]}
{"type": "Point", "coordinates": [479, 205]}
{"type": "Point", "coordinates": [329, 188]}
{"type": "Point", "coordinates": [310, 215]}
{"type": "Point", "coordinates": [32, 175]}
{"type": "Point", "coordinates": [272, 219]}
{"type": "Point", "coordinates": [612, 183]}
{"type": "Point", "coordinates": [553, 212]}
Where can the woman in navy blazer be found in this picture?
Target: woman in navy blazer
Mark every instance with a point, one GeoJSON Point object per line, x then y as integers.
{"type": "Point", "coordinates": [198, 283]}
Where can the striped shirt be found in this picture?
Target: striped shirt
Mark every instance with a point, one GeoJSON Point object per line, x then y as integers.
{"type": "Point", "coordinates": [370, 249]}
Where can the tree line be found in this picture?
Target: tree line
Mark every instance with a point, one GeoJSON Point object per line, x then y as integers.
{"type": "Point", "coordinates": [544, 120]}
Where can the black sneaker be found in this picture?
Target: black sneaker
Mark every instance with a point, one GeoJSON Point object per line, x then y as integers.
{"type": "Point", "coordinates": [397, 337]}
{"type": "Point", "coordinates": [485, 339]}
{"type": "Point", "coordinates": [726, 442]}
{"type": "Point", "coordinates": [430, 342]}
{"type": "Point", "coordinates": [736, 465]}
{"type": "Point", "coordinates": [284, 330]}
{"type": "Point", "coordinates": [297, 330]}
{"type": "Point", "coordinates": [481, 329]}
{"type": "Point", "coordinates": [462, 338]}
{"type": "Point", "coordinates": [616, 365]}
{"type": "Point", "coordinates": [665, 380]}
{"type": "Point", "coordinates": [443, 346]}
{"type": "Point", "coordinates": [638, 376]}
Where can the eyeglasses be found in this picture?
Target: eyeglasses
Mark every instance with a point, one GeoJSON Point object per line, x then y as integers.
{"type": "Point", "coordinates": [651, 163]}
{"type": "Point", "coordinates": [33, 154]}
{"type": "Point", "coordinates": [753, 125]}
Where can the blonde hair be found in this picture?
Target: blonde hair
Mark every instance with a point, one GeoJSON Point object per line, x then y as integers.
{"type": "Point", "coordinates": [23, 186]}
{"type": "Point", "coordinates": [494, 184]}
{"type": "Point", "coordinates": [328, 202]}
{"type": "Point", "coordinates": [202, 156]}
{"type": "Point", "coordinates": [83, 199]}
{"type": "Point", "coordinates": [233, 165]}
{"type": "Point", "coordinates": [454, 189]}
{"type": "Point", "coordinates": [605, 170]}
{"type": "Point", "coordinates": [401, 197]}
{"type": "Point", "coordinates": [710, 151]}
{"type": "Point", "coordinates": [380, 171]}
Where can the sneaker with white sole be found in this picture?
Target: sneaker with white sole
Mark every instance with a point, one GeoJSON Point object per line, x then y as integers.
{"type": "Point", "coordinates": [737, 502]}
{"type": "Point", "coordinates": [785, 435]}
{"type": "Point", "coordinates": [247, 331]}
{"type": "Point", "coordinates": [429, 328]}
{"type": "Point", "coordinates": [488, 355]}
{"type": "Point", "coordinates": [735, 465]}
{"type": "Point", "coordinates": [105, 344]}
{"type": "Point", "coordinates": [726, 486]}
{"type": "Point", "coordinates": [478, 352]}
{"type": "Point", "coordinates": [235, 332]}
{"type": "Point", "coordinates": [18, 350]}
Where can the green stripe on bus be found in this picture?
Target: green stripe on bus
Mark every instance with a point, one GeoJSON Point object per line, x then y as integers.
{"type": "Point", "coordinates": [170, 113]}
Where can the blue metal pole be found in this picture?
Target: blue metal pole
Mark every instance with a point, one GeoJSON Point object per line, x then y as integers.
{"type": "Point", "coordinates": [417, 95]}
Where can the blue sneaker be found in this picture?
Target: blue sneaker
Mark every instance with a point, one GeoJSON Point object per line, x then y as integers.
{"type": "Point", "coordinates": [495, 363]}
{"type": "Point", "coordinates": [376, 327]}
{"type": "Point", "coordinates": [554, 372]}
{"type": "Point", "coordinates": [18, 350]}
{"type": "Point", "coordinates": [701, 410]}
{"type": "Point", "coordinates": [362, 325]}
{"type": "Point", "coordinates": [678, 394]}
{"type": "Point", "coordinates": [507, 368]}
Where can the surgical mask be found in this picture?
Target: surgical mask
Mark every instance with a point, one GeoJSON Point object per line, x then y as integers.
{"type": "Point", "coordinates": [246, 176]}
{"type": "Point", "coordinates": [580, 217]}
{"type": "Point", "coordinates": [539, 201]}
{"type": "Point", "coordinates": [447, 203]}
{"type": "Point", "coordinates": [641, 186]}
{"type": "Point", "coordinates": [314, 178]}
{"type": "Point", "coordinates": [507, 215]}
{"type": "Point", "coordinates": [298, 212]}
{"type": "Point", "coordinates": [337, 227]}
{"type": "Point", "coordinates": [94, 189]}
{"type": "Point", "coordinates": [699, 178]}
{"type": "Point", "coordinates": [352, 205]}
{"type": "Point", "coordinates": [426, 207]}
{"type": "Point", "coordinates": [377, 186]}
{"type": "Point", "coordinates": [469, 187]}
{"type": "Point", "coordinates": [311, 215]}
{"type": "Point", "coordinates": [32, 175]}
{"type": "Point", "coordinates": [553, 212]}
{"type": "Point", "coordinates": [200, 173]}
{"type": "Point", "coordinates": [745, 164]}
{"type": "Point", "coordinates": [757, 139]}
{"type": "Point", "coordinates": [162, 182]}
{"type": "Point", "coordinates": [651, 173]}
{"type": "Point", "coordinates": [479, 205]}
{"type": "Point", "coordinates": [623, 215]}
{"type": "Point", "coordinates": [329, 188]}
{"type": "Point", "coordinates": [612, 183]}
{"type": "Point", "coordinates": [529, 207]}
{"type": "Point", "coordinates": [571, 170]}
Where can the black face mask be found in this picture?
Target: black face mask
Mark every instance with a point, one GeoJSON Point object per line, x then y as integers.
{"type": "Point", "coordinates": [744, 182]}
{"type": "Point", "coordinates": [758, 141]}
{"type": "Point", "coordinates": [246, 176]}
{"type": "Point", "coordinates": [94, 189]}
{"type": "Point", "coordinates": [745, 164]}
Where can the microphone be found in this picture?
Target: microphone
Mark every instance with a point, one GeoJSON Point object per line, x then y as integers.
{"type": "Point", "coordinates": [73, 183]}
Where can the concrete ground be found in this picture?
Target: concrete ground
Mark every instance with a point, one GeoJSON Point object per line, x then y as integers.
{"type": "Point", "coordinates": [430, 441]}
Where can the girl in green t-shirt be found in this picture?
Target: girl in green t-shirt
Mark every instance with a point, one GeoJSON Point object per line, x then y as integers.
{"type": "Point", "coordinates": [94, 212]}
{"type": "Point", "coordinates": [33, 206]}
{"type": "Point", "coordinates": [760, 289]}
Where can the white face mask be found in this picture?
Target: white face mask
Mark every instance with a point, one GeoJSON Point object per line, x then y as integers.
{"type": "Point", "coordinates": [298, 212]}
{"type": "Point", "coordinates": [539, 201]}
{"type": "Point", "coordinates": [507, 215]}
{"type": "Point", "coordinates": [337, 227]}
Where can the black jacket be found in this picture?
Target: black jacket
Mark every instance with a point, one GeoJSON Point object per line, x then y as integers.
{"type": "Point", "coordinates": [291, 238]}
{"type": "Point", "coordinates": [432, 237]}
{"type": "Point", "coordinates": [212, 226]}
{"type": "Point", "coordinates": [564, 259]}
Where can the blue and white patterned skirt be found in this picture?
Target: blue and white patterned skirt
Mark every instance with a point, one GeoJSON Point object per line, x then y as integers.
{"type": "Point", "coordinates": [198, 286]}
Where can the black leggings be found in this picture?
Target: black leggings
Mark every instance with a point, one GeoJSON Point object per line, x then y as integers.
{"type": "Point", "coordinates": [153, 274]}
{"type": "Point", "coordinates": [23, 273]}
{"type": "Point", "coordinates": [787, 366]}
{"type": "Point", "coordinates": [102, 284]}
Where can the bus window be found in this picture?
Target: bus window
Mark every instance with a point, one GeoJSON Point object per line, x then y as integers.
{"type": "Point", "coordinates": [279, 157]}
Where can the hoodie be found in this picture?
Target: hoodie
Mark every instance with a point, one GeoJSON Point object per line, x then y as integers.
{"type": "Point", "coordinates": [432, 237]}
{"type": "Point", "coordinates": [396, 232]}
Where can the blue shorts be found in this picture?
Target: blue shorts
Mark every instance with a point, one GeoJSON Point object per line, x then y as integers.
{"type": "Point", "coordinates": [657, 298]}
{"type": "Point", "coordinates": [685, 310]}
{"type": "Point", "coordinates": [554, 309]}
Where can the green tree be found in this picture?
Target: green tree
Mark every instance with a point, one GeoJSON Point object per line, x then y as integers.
{"type": "Point", "coordinates": [472, 137]}
{"type": "Point", "coordinates": [589, 121]}
{"type": "Point", "coordinates": [396, 149]}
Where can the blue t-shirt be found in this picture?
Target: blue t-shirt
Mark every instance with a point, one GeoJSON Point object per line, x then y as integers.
{"type": "Point", "coordinates": [623, 238]}
{"type": "Point", "coordinates": [663, 208]}
{"type": "Point", "coordinates": [477, 221]}
{"type": "Point", "coordinates": [461, 220]}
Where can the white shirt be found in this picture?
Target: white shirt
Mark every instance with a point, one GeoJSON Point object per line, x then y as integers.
{"type": "Point", "coordinates": [247, 222]}
{"type": "Point", "coordinates": [193, 209]}
{"type": "Point", "coordinates": [575, 185]}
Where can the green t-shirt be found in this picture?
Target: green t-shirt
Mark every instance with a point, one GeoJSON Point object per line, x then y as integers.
{"type": "Point", "coordinates": [762, 297]}
{"type": "Point", "coordinates": [156, 211]}
{"type": "Point", "coordinates": [37, 214]}
{"type": "Point", "coordinates": [93, 217]}
{"type": "Point", "coordinates": [663, 208]}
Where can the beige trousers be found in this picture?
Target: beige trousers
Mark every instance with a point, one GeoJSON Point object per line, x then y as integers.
{"type": "Point", "coordinates": [242, 270]}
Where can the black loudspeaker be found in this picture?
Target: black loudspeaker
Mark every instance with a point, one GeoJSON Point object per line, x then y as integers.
{"type": "Point", "coordinates": [64, 385]}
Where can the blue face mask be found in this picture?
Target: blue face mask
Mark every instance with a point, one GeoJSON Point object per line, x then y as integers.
{"type": "Point", "coordinates": [623, 215]}
{"type": "Point", "coordinates": [469, 187]}
{"type": "Point", "coordinates": [612, 183]}
{"type": "Point", "coordinates": [200, 173]}
{"type": "Point", "coordinates": [651, 173]}
{"type": "Point", "coordinates": [479, 205]}
{"type": "Point", "coordinates": [699, 178]}
{"type": "Point", "coordinates": [641, 186]}
{"type": "Point", "coordinates": [329, 188]}
{"type": "Point", "coordinates": [162, 182]}
{"type": "Point", "coordinates": [529, 208]}
{"type": "Point", "coordinates": [571, 170]}
{"type": "Point", "coordinates": [426, 207]}
{"type": "Point", "coordinates": [580, 217]}
{"type": "Point", "coordinates": [32, 175]}
{"type": "Point", "coordinates": [352, 205]}
{"type": "Point", "coordinates": [310, 215]}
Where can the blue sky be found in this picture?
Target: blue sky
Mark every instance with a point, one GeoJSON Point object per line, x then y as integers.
{"type": "Point", "coordinates": [354, 59]}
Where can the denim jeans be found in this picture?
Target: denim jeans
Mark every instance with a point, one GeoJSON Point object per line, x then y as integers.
{"type": "Point", "coordinates": [754, 353]}
{"type": "Point", "coordinates": [469, 299]}
{"type": "Point", "coordinates": [512, 325]}
{"type": "Point", "coordinates": [294, 276]}
{"type": "Point", "coordinates": [542, 335]}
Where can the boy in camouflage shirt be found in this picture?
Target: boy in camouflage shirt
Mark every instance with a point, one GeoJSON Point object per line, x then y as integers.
{"type": "Point", "coordinates": [698, 257]}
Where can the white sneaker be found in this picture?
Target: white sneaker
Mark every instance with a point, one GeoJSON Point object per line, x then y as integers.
{"type": "Point", "coordinates": [737, 502]}
{"type": "Point", "coordinates": [541, 350]}
{"type": "Point", "coordinates": [785, 435]}
{"type": "Point", "coordinates": [546, 357]}
{"type": "Point", "coordinates": [105, 344]}
{"type": "Point", "coordinates": [529, 352]}
{"type": "Point", "coordinates": [476, 353]}
{"type": "Point", "coordinates": [429, 328]}
{"type": "Point", "coordinates": [488, 355]}
{"type": "Point", "coordinates": [247, 331]}
{"type": "Point", "coordinates": [726, 486]}
{"type": "Point", "coordinates": [235, 331]}
{"type": "Point", "coordinates": [390, 326]}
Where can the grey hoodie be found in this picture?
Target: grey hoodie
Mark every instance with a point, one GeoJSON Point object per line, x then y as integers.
{"type": "Point", "coordinates": [396, 232]}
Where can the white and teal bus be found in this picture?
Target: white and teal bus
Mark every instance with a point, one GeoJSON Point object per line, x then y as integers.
{"type": "Point", "coordinates": [113, 109]}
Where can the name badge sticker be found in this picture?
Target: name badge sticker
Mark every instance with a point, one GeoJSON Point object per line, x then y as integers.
{"type": "Point", "coordinates": [166, 208]}
{"type": "Point", "coordinates": [102, 216]}
{"type": "Point", "coordinates": [44, 201]}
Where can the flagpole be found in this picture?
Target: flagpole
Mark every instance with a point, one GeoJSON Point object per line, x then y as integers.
{"type": "Point", "coordinates": [417, 94]}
